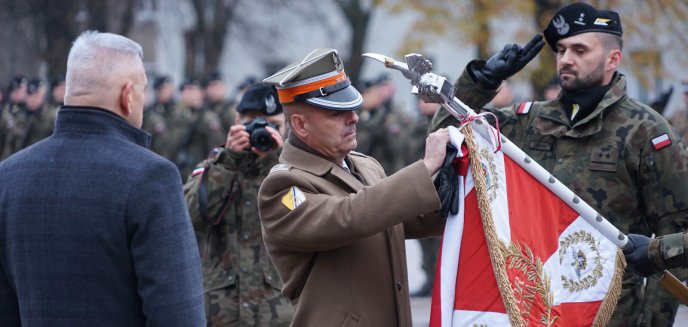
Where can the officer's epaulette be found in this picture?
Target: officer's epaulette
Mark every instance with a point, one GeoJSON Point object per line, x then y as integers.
{"type": "Point", "coordinates": [524, 108]}
{"type": "Point", "coordinates": [279, 167]}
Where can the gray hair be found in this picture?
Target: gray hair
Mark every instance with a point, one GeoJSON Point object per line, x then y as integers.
{"type": "Point", "coordinates": [95, 56]}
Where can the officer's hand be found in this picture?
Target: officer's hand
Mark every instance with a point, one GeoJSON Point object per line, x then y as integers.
{"type": "Point", "coordinates": [446, 184]}
{"type": "Point", "coordinates": [435, 150]}
{"type": "Point", "coordinates": [638, 257]}
{"type": "Point", "coordinates": [275, 136]}
{"type": "Point", "coordinates": [505, 63]}
{"type": "Point", "coordinates": [238, 139]}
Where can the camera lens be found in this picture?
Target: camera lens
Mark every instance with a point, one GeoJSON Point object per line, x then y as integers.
{"type": "Point", "coordinates": [262, 140]}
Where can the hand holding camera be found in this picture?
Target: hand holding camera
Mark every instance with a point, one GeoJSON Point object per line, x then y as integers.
{"type": "Point", "coordinates": [258, 135]}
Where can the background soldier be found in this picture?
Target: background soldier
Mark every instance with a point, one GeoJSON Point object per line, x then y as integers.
{"type": "Point", "coordinates": [382, 125]}
{"type": "Point", "coordinates": [13, 117]}
{"type": "Point", "coordinates": [620, 156]}
{"type": "Point", "coordinates": [217, 102]}
{"type": "Point", "coordinates": [40, 118]}
{"type": "Point", "coordinates": [157, 117]}
{"type": "Point", "coordinates": [57, 92]}
{"type": "Point", "coordinates": [194, 129]}
{"type": "Point", "coordinates": [241, 285]}
{"type": "Point", "coordinates": [415, 148]}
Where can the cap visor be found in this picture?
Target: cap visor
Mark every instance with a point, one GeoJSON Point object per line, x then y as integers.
{"type": "Point", "coordinates": [345, 99]}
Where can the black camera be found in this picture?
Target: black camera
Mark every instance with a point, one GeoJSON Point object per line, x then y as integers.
{"type": "Point", "coordinates": [260, 138]}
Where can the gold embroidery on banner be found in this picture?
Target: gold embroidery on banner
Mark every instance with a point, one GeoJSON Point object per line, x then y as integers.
{"type": "Point", "coordinates": [581, 261]}
{"type": "Point", "coordinates": [536, 283]}
{"type": "Point", "coordinates": [491, 173]}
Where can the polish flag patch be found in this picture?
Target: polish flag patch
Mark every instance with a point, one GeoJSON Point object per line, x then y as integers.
{"type": "Point", "coordinates": [197, 171]}
{"type": "Point", "coordinates": [661, 141]}
{"type": "Point", "coordinates": [523, 108]}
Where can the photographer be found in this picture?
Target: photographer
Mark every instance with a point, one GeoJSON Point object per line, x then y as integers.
{"type": "Point", "coordinates": [241, 287]}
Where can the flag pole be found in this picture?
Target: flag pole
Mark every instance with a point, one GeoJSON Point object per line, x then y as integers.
{"type": "Point", "coordinates": [433, 88]}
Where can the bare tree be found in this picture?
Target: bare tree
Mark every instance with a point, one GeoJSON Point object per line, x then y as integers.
{"type": "Point", "coordinates": [50, 27]}
{"type": "Point", "coordinates": [205, 41]}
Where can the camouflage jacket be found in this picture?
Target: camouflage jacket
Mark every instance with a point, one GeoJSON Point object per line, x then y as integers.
{"type": "Point", "coordinates": [39, 125]}
{"type": "Point", "coordinates": [608, 158]}
{"type": "Point", "coordinates": [193, 134]}
{"type": "Point", "coordinates": [13, 124]}
{"type": "Point", "coordinates": [156, 121]}
{"type": "Point", "coordinates": [381, 134]}
{"type": "Point", "coordinates": [669, 251]}
{"type": "Point", "coordinates": [226, 110]}
{"type": "Point", "coordinates": [230, 240]}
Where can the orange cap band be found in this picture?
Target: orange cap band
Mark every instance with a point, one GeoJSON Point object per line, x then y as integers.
{"type": "Point", "coordinates": [287, 95]}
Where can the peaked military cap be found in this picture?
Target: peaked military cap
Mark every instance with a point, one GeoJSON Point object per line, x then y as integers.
{"type": "Point", "coordinates": [260, 97]}
{"type": "Point", "coordinates": [318, 79]}
{"type": "Point", "coordinates": [580, 18]}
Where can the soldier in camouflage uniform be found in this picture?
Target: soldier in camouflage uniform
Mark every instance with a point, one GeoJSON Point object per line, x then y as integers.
{"type": "Point", "coordinates": [156, 118]}
{"type": "Point", "coordinates": [382, 125]}
{"type": "Point", "coordinates": [194, 130]}
{"type": "Point", "coordinates": [241, 285]}
{"type": "Point", "coordinates": [216, 99]}
{"type": "Point", "coordinates": [618, 155]}
{"type": "Point", "coordinates": [13, 117]}
{"type": "Point", "coordinates": [40, 118]}
{"type": "Point", "coordinates": [648, 256]}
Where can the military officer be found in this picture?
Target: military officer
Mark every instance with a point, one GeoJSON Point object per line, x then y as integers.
{"type": "Point", "coordinates": [241, 285]}
{"type": "Point", "coordinates": [619, 155]}
{"type": "Point", "coordinates": [334, 225]}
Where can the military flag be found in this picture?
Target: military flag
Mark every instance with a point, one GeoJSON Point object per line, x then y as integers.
{"type": "Point", "coordinates": [535, 259]}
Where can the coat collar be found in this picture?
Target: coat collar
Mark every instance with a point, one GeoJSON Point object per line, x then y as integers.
{"type": "Point", "coordinates": [553, 110]}
{"type": "Point", "coordinates": [93, 120]}
{"type": "Point", "coordinates": [298, 155]}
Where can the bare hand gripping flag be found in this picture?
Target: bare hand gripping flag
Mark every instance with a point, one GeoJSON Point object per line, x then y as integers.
{"type": "Point", "coordinates": [537, 263]}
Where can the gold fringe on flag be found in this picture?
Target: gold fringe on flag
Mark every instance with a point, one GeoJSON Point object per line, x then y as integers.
{"type": "Point", "coordinates": [496, 256]}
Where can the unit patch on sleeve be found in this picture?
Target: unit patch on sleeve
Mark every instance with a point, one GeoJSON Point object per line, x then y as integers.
{"type": "Point", "coordinates": [293, 198]}
{"type": "Point", "coordinates": [661, 141]}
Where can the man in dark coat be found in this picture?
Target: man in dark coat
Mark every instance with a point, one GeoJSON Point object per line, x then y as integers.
{"type": "Point", "coordinates": [94, 230]}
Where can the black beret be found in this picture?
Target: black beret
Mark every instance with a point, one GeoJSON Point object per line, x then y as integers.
{"type": "Point", "coordinates": [189, 82]}
{"type": "Point", "coordinates": [580, 18]}
{"type": "Point", "coordinates": [16, 83]}
{"type": "Point", "coordinates": [160, 81]}
{"type": "Point", "coordinates": [212, 77]}
{"type": "Point", "coordinates": [260, 97]}
{"type": "Point", "coordinates": [33, 86]}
